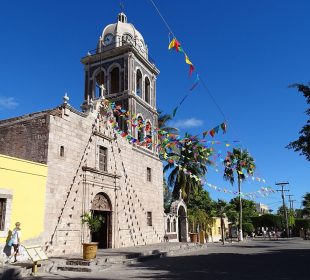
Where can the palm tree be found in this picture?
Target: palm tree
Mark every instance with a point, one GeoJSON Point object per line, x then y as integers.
{"type": "Point", "coordinates": [188, 161]}
{"type": "Point", "coordinates": [163, 120]}
{"type": "Point", "coordinates": [221, 209]}
{"type": "Point", "coordinates": [239, 162]}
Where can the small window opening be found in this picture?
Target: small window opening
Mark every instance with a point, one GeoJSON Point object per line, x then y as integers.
{"type": "Point", "coordinates": [149, 174]}
{"type": "Point", "coordinates": [139, 83]}
{"type": "Point", "coordinates": [149, 218]}
{"type": "Point", "coordinates": [62, 151]}
{"type": "Point", "coordinates": [174, 227]}
{"type": "Point", "coordinates": [147, 90]}
{"type": "Point", "coordinates": [103, 158]}
{"type": "Point", "coordinates": [2, 213]}
{"type": "Point", "coordinates": [168, 225]}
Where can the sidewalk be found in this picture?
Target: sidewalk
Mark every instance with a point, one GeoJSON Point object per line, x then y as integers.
{"type": "Point", "coordinates": [105, 259]}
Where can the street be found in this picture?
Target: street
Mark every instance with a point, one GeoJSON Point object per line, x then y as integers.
{"type": "Point", "coordinates": [258, 259]}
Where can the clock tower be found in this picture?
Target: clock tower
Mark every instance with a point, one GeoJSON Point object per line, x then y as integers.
{"type": "Point", "coordinates": [120, 70]}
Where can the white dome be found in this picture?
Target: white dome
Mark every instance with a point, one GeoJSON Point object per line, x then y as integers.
{"type": "Point", "coordinates": [121, 33]}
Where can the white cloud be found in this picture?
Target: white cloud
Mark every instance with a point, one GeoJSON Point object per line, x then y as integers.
{"type": "Point", "coordinates": [187, 123]}
{"type": "Point", "coordinates": [8, 102]}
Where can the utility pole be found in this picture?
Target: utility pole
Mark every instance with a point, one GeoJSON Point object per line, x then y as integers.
{"type": "Point", "coordinates": [290, 200]}
{"type": "Point", "coordinates": [282, 184]}
{"type": "Point", "coordinates": [293, 203]}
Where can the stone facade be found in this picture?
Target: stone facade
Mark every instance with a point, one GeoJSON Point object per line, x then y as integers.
{"type": "Point", "coordinates": [74, 179]}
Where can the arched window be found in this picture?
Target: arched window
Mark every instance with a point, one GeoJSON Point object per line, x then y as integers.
{"type": "Point", "coordinates": [174, 226]}
{"type": "Point", "coordinates": [139, 83]}
{"type": "Point", "coordinates": [114, 80]}
{"type": "Point", "coordinates": [168, 225]}
{"type": "Point", "coordinates": [148, 135]}
{"type": "Point", "coordinates": [147, 90]}
{"type": "Point", "coordinates": [140, 128]}
{"type": "Point", "coordinates": [99, 83]}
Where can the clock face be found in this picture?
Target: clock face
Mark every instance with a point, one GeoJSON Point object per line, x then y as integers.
{"type": "Point", "coordinates": [108, 39]}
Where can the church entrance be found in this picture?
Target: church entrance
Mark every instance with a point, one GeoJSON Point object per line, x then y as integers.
{"type": "Point", "coordinates": [182, 224]}
{"type": "Point", "coordinates": [101, 207]}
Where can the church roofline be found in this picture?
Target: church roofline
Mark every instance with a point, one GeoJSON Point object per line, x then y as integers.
{"type": "Point", "coordinates": [52, 111]}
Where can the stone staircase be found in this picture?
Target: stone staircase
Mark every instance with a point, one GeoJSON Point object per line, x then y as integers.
{"type": "Point", "coordinates": [106, 260]}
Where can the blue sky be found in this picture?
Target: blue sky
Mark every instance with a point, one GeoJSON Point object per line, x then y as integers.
{"type": "Point", "coordinates": [247, 52]}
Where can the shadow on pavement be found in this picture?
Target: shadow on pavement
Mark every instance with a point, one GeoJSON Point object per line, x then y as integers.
{"type": "Point", "coordinates": [282, 264]}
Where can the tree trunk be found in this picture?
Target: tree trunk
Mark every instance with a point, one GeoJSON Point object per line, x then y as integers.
{"type": "Point", "coordinates": [240, 210]}
{"type": "Point", "coordinates": [222, 231]}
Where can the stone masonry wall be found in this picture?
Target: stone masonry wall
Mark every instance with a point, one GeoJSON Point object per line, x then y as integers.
{"type": "Point", "coordinates": [25, 137]}
{"type": "Point", "coordinates": [70, 189]}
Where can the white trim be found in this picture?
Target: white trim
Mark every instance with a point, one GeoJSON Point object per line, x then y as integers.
{"type": "Point", "coordinates": [8, 195]}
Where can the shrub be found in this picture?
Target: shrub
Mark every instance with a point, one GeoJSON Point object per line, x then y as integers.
{"type": "Point", "coordinates": [247, 228]}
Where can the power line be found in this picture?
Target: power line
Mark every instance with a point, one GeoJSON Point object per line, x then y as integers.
{"type": "Point", "coordinates": [201, 79]}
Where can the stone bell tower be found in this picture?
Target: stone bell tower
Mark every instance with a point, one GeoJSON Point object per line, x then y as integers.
{"type": "Point", "coordinates": [120, 70]}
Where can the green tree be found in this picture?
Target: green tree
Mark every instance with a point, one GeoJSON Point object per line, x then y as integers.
{"type": "Point", "coordinates": [302, 145]}
{"type": "Point", "coordinates": [189, 164]}
{"type": "Point", "coordinates": [167, 196]}
{"type": "Point", "coordinates": [248, 208]}
{"type": "Point", "coordinates": [200, 200]}
{"type": "Point", "coordinates": [221, 210]}
{"type": "Point", "coordinates": [290, 216]}
{"type": "Point", "coordinates": [298, 213]}
{"type": "Point", "coordinates": [238, 162]}
{"type": "Point", "coordinates": [197, 218]}
{"type": "Point", "coordinates": [306, 204]}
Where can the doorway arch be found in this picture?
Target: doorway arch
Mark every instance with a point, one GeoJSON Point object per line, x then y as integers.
{"type": "Point", "coordinates": [182, 224]}
{"type": "Point", "coordinates": [101, 206]}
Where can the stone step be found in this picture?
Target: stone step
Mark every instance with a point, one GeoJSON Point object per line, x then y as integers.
{"type": "Point", "coordinates": [79, 262]}
{"type": "Point", "coordinates": [74, 268]}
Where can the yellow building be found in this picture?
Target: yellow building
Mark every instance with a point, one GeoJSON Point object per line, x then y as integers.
{"type": "Point", "coordinates": [214, 232]}
{"type": "Point", "coordinates": [22, 198]}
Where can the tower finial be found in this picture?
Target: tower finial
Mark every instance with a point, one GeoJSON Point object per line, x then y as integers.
{"type": "Point", "coordinates": [122, 6]}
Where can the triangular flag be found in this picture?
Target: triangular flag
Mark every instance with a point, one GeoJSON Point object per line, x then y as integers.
{"type": "Point", "coordinates": [177, 46]}
{"type": "Point", "coordinates": [224, 127]}
{"type": "Point", "coordinates": [212, 132]}
{"type": "Point", "coordinates": [216, 129]}
{"type": "Point", "coordinates": [191, 69]}
{"type": "Point", "coordinates": [187, 60]}
{"type": "Point", "coordinates": [205, 133]}
{"type": "Point", "coordinates": [171, 44]}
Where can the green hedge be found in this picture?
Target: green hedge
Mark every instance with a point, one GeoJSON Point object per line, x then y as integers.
{"type": "Point", "coordinates": [267, 220]}
{"type": "Point", "coordinates": [302, 223]}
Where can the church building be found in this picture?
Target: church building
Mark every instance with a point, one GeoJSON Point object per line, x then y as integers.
{"type": "Point", "coordinates": [91, 167]}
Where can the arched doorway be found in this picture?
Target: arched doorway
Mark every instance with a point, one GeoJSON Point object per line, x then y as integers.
{"type": "Point", "coordinates": [182, 224]}
{"type": "Point", "coordinates": [101, 206]}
